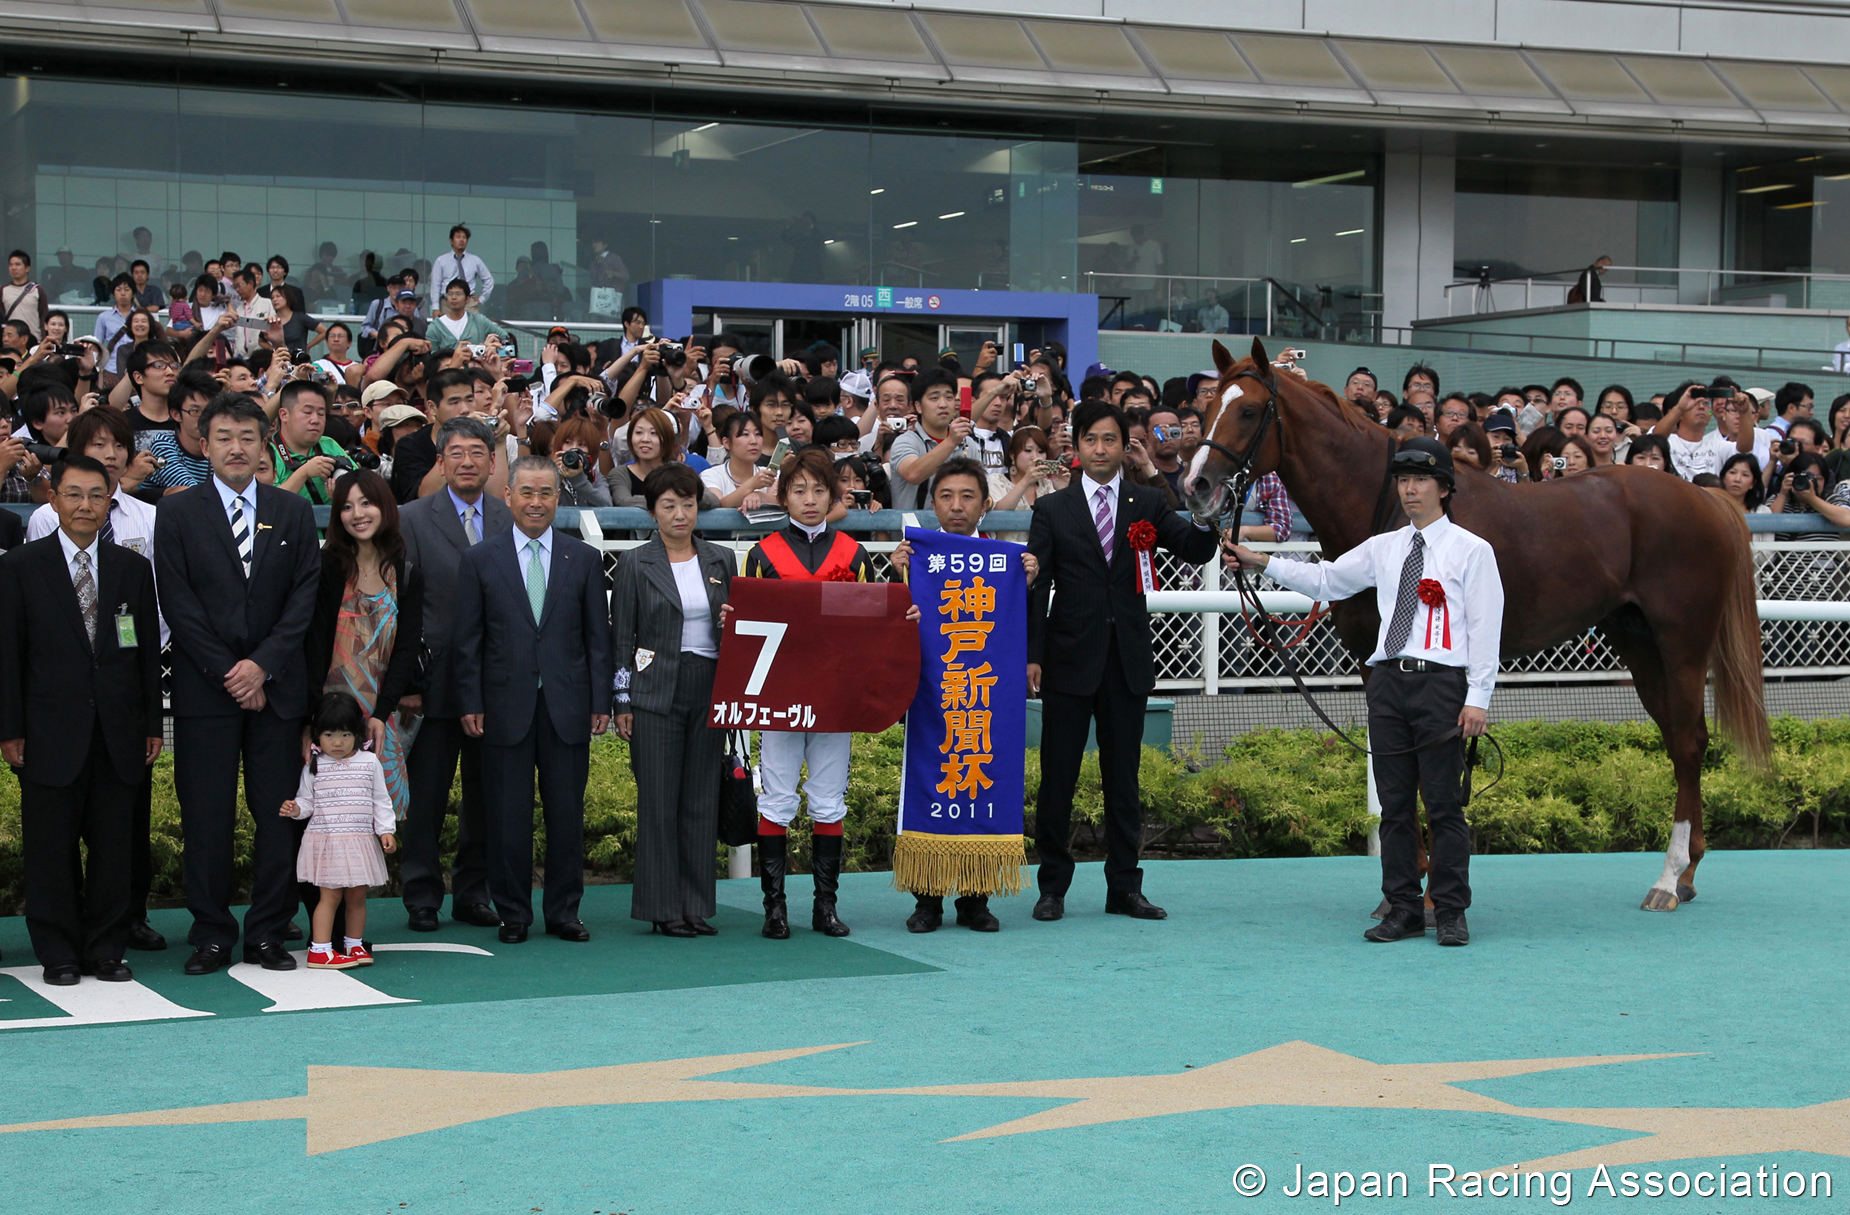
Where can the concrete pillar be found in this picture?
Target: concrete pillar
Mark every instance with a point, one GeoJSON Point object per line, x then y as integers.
{"type": "Point", "coordinates": [1417, 185]}
{"type": "Point", "coordinates": [1700, 223]}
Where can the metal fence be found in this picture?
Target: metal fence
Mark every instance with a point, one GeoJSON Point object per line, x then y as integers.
{"type": "Point", "coordinates": [1212, 652]}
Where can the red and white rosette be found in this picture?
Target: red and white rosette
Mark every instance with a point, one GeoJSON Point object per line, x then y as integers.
{"type": "Point", "coordinates": [1142, 538]}
{"type": "Point", "coordinates": [1432, 594]}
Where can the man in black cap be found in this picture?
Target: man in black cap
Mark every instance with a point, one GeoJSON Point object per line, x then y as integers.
{"type": "Point", "coordinates": [1432, 671]}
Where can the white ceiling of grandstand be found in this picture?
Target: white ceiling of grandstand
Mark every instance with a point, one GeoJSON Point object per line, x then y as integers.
{"type": "Point", "coordinates": [1035, 58]}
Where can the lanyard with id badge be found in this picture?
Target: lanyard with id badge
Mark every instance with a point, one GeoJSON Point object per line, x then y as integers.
{"type": "Point", "coordinates": [125, 628]}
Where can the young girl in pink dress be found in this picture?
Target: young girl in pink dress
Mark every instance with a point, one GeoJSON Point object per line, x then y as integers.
{"type": "Point", "coordinates": [344, 797]}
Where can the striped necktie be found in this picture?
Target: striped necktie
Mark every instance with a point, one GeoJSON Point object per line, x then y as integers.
{"type": "Point", "coordinates": [108, 534]}
{"type": "Point", "coordinates": [1103, 519]}
{"type": "Point", "coordinates": [241, 533]}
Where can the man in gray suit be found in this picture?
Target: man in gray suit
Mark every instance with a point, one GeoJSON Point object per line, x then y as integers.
{"type": "Point", "coordinates": [439, 529]}
{"type": "Point", "coordinates": [533, 679]}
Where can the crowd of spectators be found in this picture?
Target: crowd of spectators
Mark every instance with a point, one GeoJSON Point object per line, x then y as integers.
{"type": "Point", "coordinates": [1765, 448]}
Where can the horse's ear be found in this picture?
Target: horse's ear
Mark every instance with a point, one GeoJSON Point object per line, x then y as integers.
{"type": "Point", "coordinates": [1223, 362]}
{"type": "Point", "coordinates": [1260, 357]}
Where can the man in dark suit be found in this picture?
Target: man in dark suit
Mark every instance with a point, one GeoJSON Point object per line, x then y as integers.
{"type": "Point", "coordinates": [1089, 657]}
{"type": "Point", "coordinates": [533, 678]}
{"type": "Point", "coordinates": [450, 394]}
{"type": "Point", "coordinates": [80, 716]}
{"type": "Point", "coordinates": [237, 565]}
{"type": "Point", "coordinates": [439, 530]}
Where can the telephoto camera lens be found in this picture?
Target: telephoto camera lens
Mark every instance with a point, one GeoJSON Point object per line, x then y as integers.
{"type": "Point", "coordinates": [363, 457]}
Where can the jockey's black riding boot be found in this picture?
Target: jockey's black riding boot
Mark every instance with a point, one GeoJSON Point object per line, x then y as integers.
{"type": "Point", "coordinates": [772, 853]}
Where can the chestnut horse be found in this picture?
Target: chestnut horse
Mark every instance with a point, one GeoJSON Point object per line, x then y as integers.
{"type": "Point", "coordinates": [1661, 567]}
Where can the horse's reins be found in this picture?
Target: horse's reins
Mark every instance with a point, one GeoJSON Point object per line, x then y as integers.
{"type": "Point", "coordinates": [1241, 484]}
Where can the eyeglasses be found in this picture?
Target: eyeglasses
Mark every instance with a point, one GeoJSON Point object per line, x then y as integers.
{"type": "Point", "coordinates": [162, 365]}
{"type": "Point", "coordinates": [78, 496]}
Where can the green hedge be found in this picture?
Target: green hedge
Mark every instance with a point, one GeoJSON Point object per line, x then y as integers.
{"type": "Point", "coordinates": [1569, 787]}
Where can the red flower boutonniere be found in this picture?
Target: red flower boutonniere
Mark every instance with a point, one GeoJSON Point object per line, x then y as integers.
{"type": "Point", "coordinates": [845, 574]}
{"type": "Point", "coordinates": [1141, 536]}
{"type": "Point", "coordinates": [1432, 594]}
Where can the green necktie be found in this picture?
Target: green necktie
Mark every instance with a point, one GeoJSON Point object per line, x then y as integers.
{"type": "Point", "coordinates": [536, 580]}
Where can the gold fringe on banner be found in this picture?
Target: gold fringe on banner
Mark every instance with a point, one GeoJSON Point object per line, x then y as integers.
{"type": "Point", "coordinates": [924, 863]}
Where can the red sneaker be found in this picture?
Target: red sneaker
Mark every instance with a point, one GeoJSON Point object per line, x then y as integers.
{"type": "Point", "coordinates": [359, 955]}
{"type": "Point", "coordinates": [329, 960]}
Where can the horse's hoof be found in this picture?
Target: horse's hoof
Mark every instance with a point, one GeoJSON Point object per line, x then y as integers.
{"type": "Point", "coordinates": [1685, 894]}
{"type": "Point", "coordinates": [1380, 913]}
{"type": "Point", "coordinates": [1658, 900]}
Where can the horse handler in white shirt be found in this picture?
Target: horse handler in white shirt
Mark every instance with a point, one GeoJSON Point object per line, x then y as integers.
{"type": "Point", "coordinates": [1432, 671]}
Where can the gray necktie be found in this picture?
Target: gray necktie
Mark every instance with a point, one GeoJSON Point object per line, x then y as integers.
{"type": "Point", "coordinates": [85, 586]}
{"type": "Point", "coordinates": [470, 529]}
{"type": "Point", "coordinates": [1401, 627]}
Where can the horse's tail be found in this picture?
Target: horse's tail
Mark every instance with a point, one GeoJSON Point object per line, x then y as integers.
{"type": "Point", "coordinates": [1740, 707]}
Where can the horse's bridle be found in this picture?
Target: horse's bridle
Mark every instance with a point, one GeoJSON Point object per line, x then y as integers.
{"type": "Point", "coordinates": [1240, 479]}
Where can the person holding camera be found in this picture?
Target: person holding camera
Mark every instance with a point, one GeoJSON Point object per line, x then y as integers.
{"type": "Point", "coordinates": [456, 325]}
{"type": "Point", "coordinates": [942, 432]}
{"type": "Point", "coordinates": [576, 445]}
{"type": "Point", "coordinates": [304, 456]}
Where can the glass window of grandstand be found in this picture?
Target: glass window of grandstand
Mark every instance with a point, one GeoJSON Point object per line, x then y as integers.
{"type": "Point", "coordinates": [1526, 223]}
{"type": "Point", "coordinates": [1784, 208]}
{"type": "Point", "coordinates": [1246, 238]}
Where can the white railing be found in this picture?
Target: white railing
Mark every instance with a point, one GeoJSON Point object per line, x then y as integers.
{"type": "Point", "coordinates": [1655, 285]}
{"type": "Point", "coordinates": [1202, 645]}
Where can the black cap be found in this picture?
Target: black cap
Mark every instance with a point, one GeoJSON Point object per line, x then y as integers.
{"type": "Point", "coordinates": [1425, 456]}
{"type": "Point", "coordinates": [1500, 420]}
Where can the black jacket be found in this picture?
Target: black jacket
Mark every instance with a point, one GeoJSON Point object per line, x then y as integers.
{"type": "Point", "coordinates": [54, 686]}
{"type": "Point", "coordinates": [1094, 603]}
{"type": "Point", "coordinates": [401, 667]}
{"type": "Point", "coordinates": [435, 544]}
{"type": "Point", "coordinates": [502, 654]}
{"type": "Point", "coordinates": [218, 617]}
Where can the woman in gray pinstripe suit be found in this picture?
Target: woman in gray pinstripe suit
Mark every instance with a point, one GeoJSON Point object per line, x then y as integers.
{"type": "Point", "coordinates": [664, 635]}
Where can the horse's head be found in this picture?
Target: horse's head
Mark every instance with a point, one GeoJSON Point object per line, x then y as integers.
{"type": "Point", "coordinates": [1241, 430]}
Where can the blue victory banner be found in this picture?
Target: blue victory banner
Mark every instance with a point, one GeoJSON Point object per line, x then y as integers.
{"type": "Point", "coordinates": [960, 802]}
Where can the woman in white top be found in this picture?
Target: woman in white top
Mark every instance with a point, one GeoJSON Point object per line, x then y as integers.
{"type": "Point", "coordinates": [665, 624]}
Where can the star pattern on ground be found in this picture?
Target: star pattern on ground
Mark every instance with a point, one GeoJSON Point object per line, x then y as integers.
{"type": "Point", "coordinates": [348, 1107]}
{"type": "Point", "coordinates": [1297, 1074]}
{"type": "Point", "coordinates": [1697, 1134]}
{"type": "Point", "coordinates": [351, 1106]}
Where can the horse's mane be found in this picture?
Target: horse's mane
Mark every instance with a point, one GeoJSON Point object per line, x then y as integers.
{"type": "Point", "coordinates": [1345, 410]}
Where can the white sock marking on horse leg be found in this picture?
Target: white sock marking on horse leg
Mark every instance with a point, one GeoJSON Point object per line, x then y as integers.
{"type": "Point", "coordinates": [1676, 859]}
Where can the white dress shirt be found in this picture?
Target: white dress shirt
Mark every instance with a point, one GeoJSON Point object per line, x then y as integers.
{"type": "Point", "coordinates": [466, 266]}
{"type": "Point", "coordinates": [228, 495]}
{"type": "Point", "coordinates": [1464, 564]}
{"type": "Point", "coordinates": [70, 564]}
{"type": "Point", "coordinates": [1111, 498]}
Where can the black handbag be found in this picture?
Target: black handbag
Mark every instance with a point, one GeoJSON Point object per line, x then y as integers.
{"type": "Point", "coordinates": [738, 800]}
